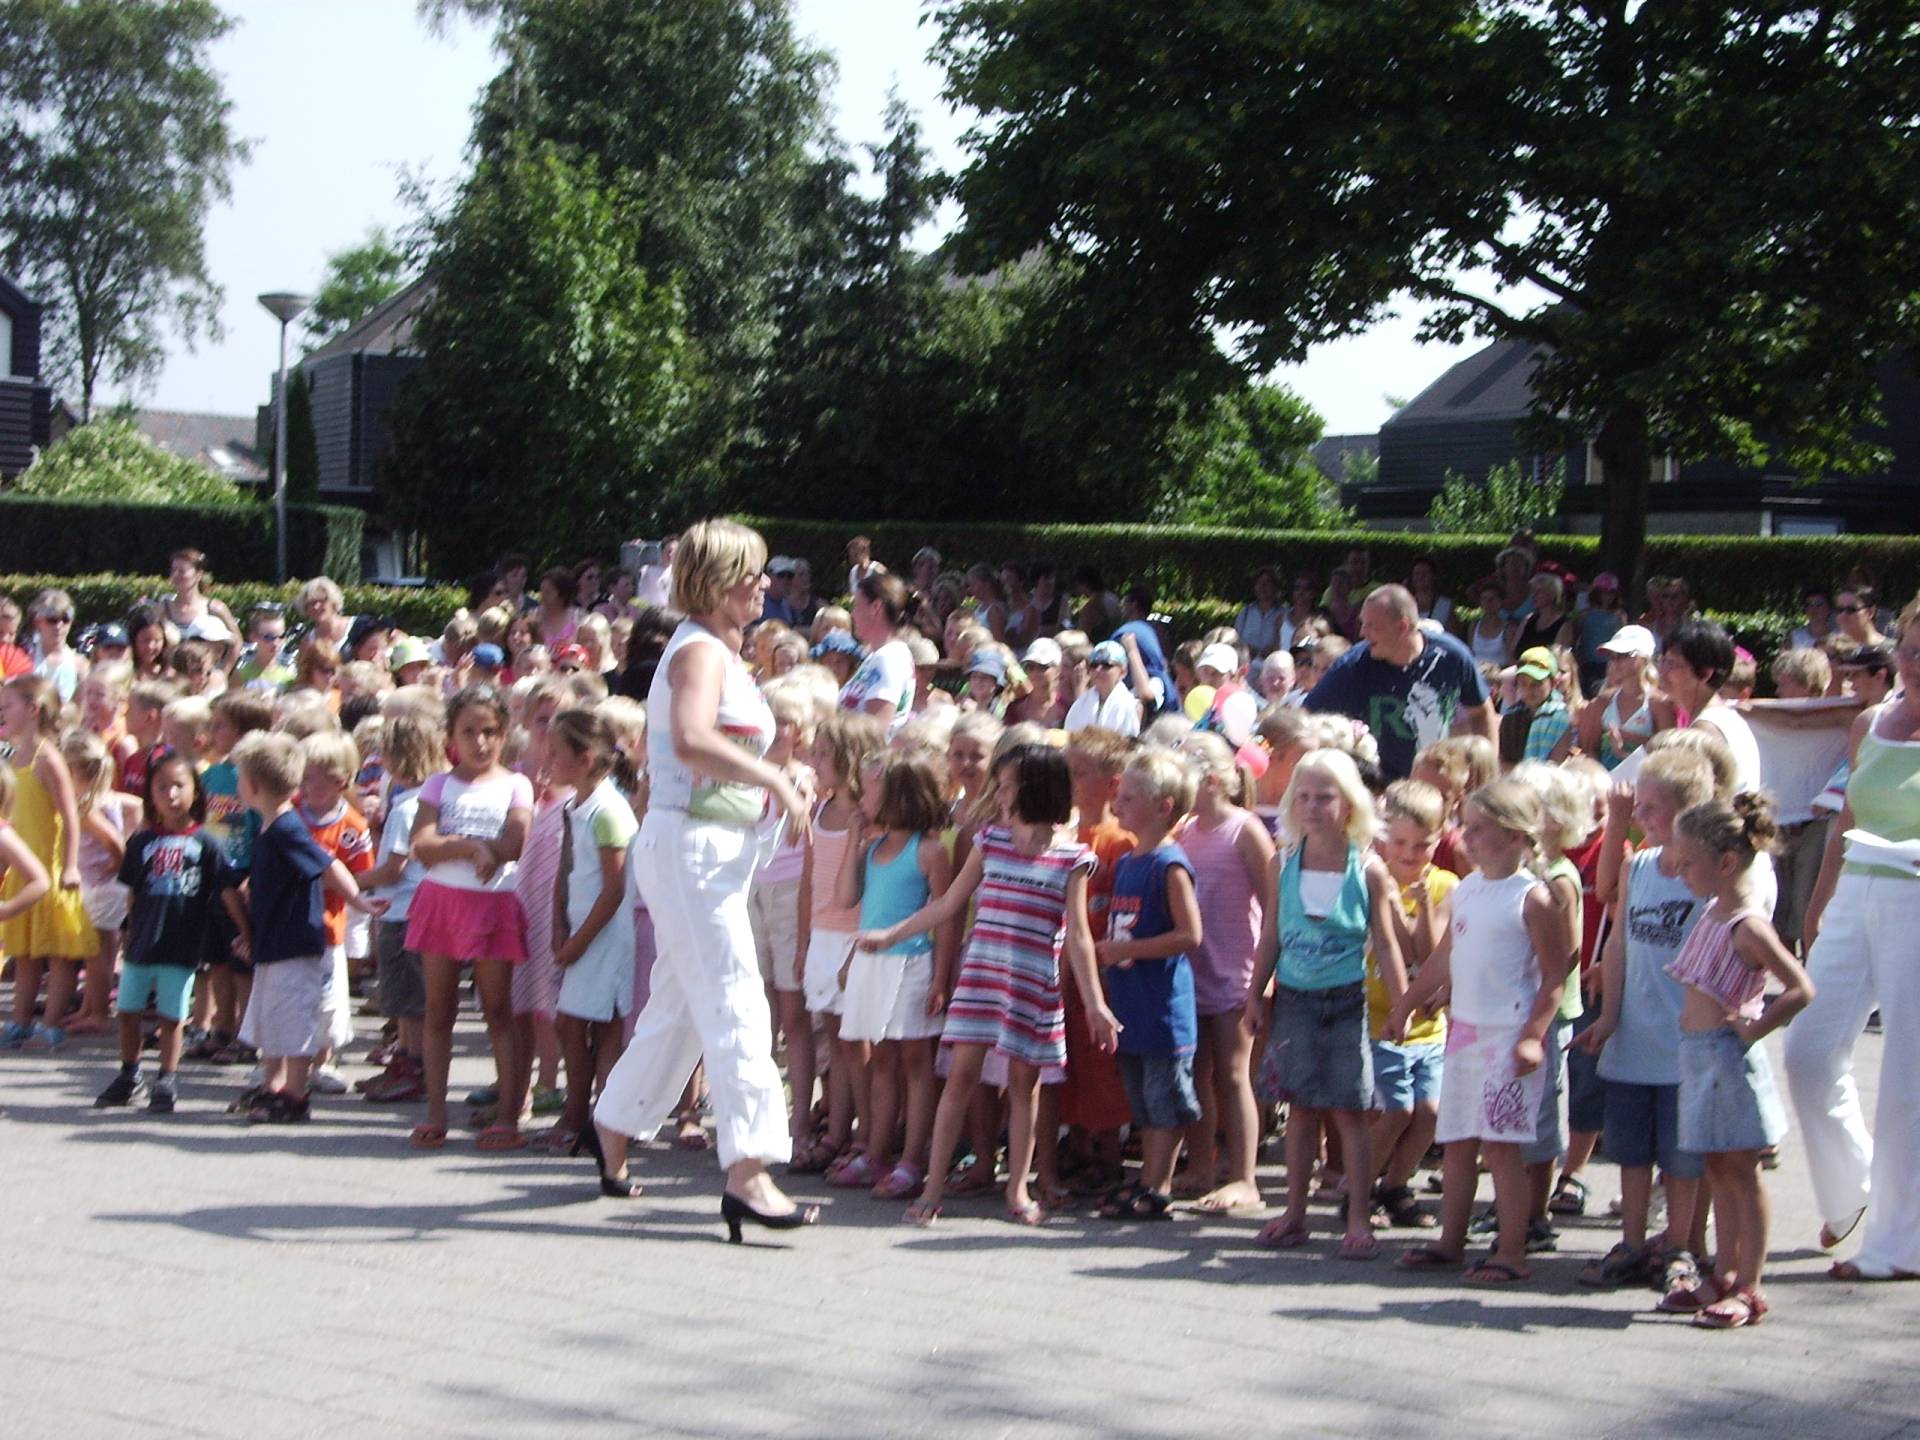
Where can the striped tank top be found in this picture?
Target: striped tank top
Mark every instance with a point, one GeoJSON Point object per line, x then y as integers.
{"type": "Point", "coordinates": [1708, 962]}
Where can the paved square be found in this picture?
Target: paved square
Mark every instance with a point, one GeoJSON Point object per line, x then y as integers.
{"type": "Point", "coordinates": [196, 1276]}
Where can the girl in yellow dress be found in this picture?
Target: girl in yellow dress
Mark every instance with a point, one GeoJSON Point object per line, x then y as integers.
{"type": "Point", "coordinates": [53, 935]}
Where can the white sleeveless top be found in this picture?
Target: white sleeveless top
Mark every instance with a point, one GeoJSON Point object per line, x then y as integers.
{"type": "Point", "coordinates": [743, 718]}
{"type": "Point", "coordinates": [1495, 973]}
{"type": "Point", "coordinates": [1487, 649]}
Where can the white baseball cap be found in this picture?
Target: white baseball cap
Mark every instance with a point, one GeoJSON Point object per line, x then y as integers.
{"type": "Point", "coordinates": [1219, 656]}
{"type": "Point", "coordinates": [1043, 652]}
{"type": "Point", "coordinates": [1635, 640]}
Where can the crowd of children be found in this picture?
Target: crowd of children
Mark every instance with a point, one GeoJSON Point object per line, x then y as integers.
{"type": "Point", "coordinates": [1147, 927]}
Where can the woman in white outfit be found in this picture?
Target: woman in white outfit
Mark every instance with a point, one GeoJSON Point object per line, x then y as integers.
{"type": "Point", "coordinates": [695, 854]}
{"type": "Point", "coordinates": [1863, 929]}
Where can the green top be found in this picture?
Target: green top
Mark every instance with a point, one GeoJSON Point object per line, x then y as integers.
{"type": "Point", "coordinates": [1884, 794]}
{"type": "Point", "coordinates": [1571, 1004]}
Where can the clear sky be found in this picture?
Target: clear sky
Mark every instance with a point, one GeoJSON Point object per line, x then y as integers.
{"type": "Point", "coordinates": [340, 97]}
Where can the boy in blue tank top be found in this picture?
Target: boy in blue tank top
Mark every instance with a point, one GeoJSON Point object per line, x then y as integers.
{"type": "Point", "coordinates": [1153, 922]}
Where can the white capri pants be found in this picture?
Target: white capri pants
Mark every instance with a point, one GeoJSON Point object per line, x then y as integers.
{"type": "Point", "coordinates": [707, 997]}
{"type": "Point", "coordinates": [1867, 954]}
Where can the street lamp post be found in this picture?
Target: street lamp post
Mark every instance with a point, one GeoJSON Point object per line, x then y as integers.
{"type": "Point", "coordinates": [283, 306]}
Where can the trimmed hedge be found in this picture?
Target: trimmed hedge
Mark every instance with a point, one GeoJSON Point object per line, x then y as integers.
{"type": "Point", "coordinates": [98, 598]}
{"type": "Point", "coordinates": [75, 536]}
{"type": "Point", "coordinates": [1729, 572]}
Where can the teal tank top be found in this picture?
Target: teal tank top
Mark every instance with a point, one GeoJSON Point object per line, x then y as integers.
{"type": "Point", "coordinates": [1884, 795]}
{"type": "Point", "coordinates": [1320, 954]}
{"type": "Point", "coordinates": [893, 890]}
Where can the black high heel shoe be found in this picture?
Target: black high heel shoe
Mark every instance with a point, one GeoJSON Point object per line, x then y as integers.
{"type": "Point", "coordinates": [736, 1211]}
{"type": "Point", "coordinates": [624, 1188]}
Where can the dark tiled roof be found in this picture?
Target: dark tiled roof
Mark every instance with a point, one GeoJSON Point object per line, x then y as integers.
{"type": "Point", "coordinates": [1491, 384]}
{"type": "Point", "coordinates": [222, 443]}
{"type": "Point", "coordinates": [387, 329]}
{"type": "Point", "coordinates": [1330, 454]}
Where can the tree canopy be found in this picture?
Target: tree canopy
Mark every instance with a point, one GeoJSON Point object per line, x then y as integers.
{"type": "Point", "coordinates": [1699, 213]}
{"type": "Point", "coordinates": [114, 143]}
{"type": "Point", "coordinates": [357, 279]}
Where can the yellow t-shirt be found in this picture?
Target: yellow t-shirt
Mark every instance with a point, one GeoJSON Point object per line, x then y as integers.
{"type": "Point", "coordinates": [1422, 1029]}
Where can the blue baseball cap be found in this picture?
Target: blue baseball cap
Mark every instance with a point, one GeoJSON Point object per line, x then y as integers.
{"type": "Point", "coordinates": [488, 657]}
{"type": "Point", "coordinates": [838, 642]}
{"type": "Point", "coordinates": [988, 662]}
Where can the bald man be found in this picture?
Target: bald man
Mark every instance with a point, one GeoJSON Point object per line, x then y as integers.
{"type": "Point", "coordinates": [1409, 686]}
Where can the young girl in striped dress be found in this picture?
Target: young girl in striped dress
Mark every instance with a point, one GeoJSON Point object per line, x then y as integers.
{"type": "Point", "coordinates": [1230, 850]}
{"type": "Point", "coordinates": [1006, 1004]}
{"type": "Point", "coordinates": [1729, 1110]}
{"type": "Point", "coordinates": [536, 980]}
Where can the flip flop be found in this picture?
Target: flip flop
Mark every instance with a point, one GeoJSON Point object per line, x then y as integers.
{"type": "Point", "coordinates": [1280, 1235]}
{"type": "Point", "coordinates": [1832, 1239]}
{"type": "Point", "coordinates": [1358, 1247]}
{"type": "Point", "coordinates": [496, 1138]}
{"type": "Point", "coordinates": [971, 1184]}
{"type": "Point", "coordinates": [428, 1137]}
{"type": "Point", "coordinates": [1427, 1257]}
{"type": "Point", "coordinates": [1031, 1213]}
{"type": "Point", "coordinates": [1494, 1272]}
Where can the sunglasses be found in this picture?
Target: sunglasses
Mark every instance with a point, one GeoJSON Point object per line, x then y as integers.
{"type": "Point", "coordinates": [1849, 609]}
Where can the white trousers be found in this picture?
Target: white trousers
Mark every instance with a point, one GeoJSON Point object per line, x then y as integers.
{"type": "Point", "coordinates": [707, 996]}
{"type": "Point", "coordinates": [1868, 954]}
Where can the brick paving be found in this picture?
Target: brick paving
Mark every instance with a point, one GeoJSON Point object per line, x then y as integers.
{"type": "Point", "coordinates": [195, 1276]}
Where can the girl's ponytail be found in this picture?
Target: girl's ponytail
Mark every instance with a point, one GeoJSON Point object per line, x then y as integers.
{"type": "Point", "coordinates": [1743, 826]}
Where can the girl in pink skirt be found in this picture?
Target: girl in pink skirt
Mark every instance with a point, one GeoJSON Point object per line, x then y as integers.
{"type": "Point", "coordinates": [471, 827]}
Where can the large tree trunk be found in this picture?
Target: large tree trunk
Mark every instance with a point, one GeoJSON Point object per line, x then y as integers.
{"type": "Point", "coordinates": [1621, 447]}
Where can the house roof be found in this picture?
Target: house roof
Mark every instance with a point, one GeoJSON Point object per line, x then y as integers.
{"type": "Point", "coordinates": [224, 444]}
{"type": "Point", "coordinates": [14, 300]}
{"type": "Point", "coordinates": [1330, 454]}
{"type": "Point", "coordinates": [387, 329]}
{"type": "Point", "coordinates": [1491, 384]}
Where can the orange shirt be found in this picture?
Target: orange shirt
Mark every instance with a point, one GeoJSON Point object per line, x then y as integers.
{"type": "Point", "coordinates": [1110, 845]}
{"type": "Point", "coordinates": [347, 839]}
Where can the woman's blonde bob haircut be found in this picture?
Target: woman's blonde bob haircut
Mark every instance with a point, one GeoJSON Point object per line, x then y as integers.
{"type": "Point", "coordinates": [712, 558]}
{"type": "Point", "coordinates": [1337, 766]}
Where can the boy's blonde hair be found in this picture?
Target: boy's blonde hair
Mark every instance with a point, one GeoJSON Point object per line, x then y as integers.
{"type": "Point", "coordinates": [491, 626]}
{"type": "Point", "coordinates": [714, 556]}
{"type": "Point", "coordinates": [1475, 753]}
{"type": "Point", "coordinates": [153, 694]}
{"type": "Point", "coordinates": [1566, 805]}
{"type": "Point", "coordinates": [1167, 777]}
{"type": "Point", "coordinates": [1416, 802]}
{"type": "Point", "coordinates": [270, 761]}
{"type": "Point", "coordinates": [1805, 667]}
{"type": "Point", "coordinates": [793, 705]}
{"type": "Point", "coordinates": [1283, 727]}
{"type": "Point", "coordinates": [115, 675]}
{"type": "Point", "coordinates": [1709, 747]}
{"type": "Point", "coordinates": [1108, 749]}
{"type": "Point", "coordinates": [245, 710]}
{"type": "Point", "coordinates": [332, 753]}
{"type": "Point", "coordinates": [818, 682]}
{"type": "Point", "coordinates": [1167, 731]}
{"type": "Point", "coordinates": [1683, 773]}
{"type": "Point", "coordinates": [829, 618]}
{"type": "Point", "coordinates": [363, 677]}
{"type": "Point", "coordinates": [191, 710]}
{"type": "Point", "coordinates": [1337, 766]}
{"type": "Point", "coordinates": [790, 646]}
{"type": "Point", "coordinates": [300, 713]}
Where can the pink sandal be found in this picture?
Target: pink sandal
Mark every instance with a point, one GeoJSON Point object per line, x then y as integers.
{"type": "Point", "coordinates": [854, 1172]}
{"type": "Point", "coordinates": [903, 1182]}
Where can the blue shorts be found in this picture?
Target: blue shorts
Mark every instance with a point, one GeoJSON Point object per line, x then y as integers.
{"type": "Point", "coordinates": [1550, 1126]}
{"type": "Point", "coordinates": [1406, 1076]}
{"type": "Point", "coordinates": [167, 989]}
{"type": "Point", "coordinates": [1727, 1097]}
{"type": "Point", "coordinates": [1318, 1047]}
{"type": "Point", "coordinates": [1160, 1092]}
{"type": "Point", "coordinates": [1586, 1091]}
{"type": "Point", "coordinates": [1643, 1128]}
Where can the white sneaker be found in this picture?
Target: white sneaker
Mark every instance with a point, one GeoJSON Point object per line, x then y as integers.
{"type": "Point", "coordinates": [326, 1081]}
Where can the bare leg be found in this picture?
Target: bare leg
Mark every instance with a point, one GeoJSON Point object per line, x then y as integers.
{"type": "Point", "coordinates": [797, 1025]}
{"type": "Point", "coordinates": [494, 980]}
{"type": "Point", "coordinates": [1303, 1148]}
{"type": "Point", "coordinates": [298, 1068]}
{"type": "Point", "coordinates": [1512, 1200]}
{"type": "Point", "coordinates": [1636, 1192]}
{"type": "Point", "coordinates": [442, 977]}
{"type": "Point", "coordinates": [963, 1076]}
{"type": "Point", "coordinates": [1046, 1147]}
{"type": "Point", "coordinates": [1195, 1178]}
{"type": "Point", "coordinates": [850, 1059]}
{"type": "Point", "coordinates": [1352, 1128]}
{"type": "Point", "coordinates": [1459, 1185]}
{"type": "Point", "coordinates": [26, 988]}
{"type": "Point", "coordinates": [1022, 1105]}
{"type": "Point", "coordinates": [883, 1089]}
{"type": "Point", "coordinates": [1404, 1159]}
{"type": "Point", "coordinates": [129, 1039]}
{"type": "Point", "coordinates": [916, 1060]}
{"type": "Point", "coordinates": [96, 999]}
{"type": "Point", "coordinates": [1158, 1150]}
{"type": "Point", "coordinates": [1233, 1086]}
{"type": "Point", "coordinates": [170, 1037]}
{"type": "Point", "coordinates": [545, 1051]}
{"type": "Point", "coordinates": [1683, 1206]}
{"type": "Point", "coordinates": [576, 1045]}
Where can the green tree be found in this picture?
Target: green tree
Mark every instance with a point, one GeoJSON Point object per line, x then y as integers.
{"type": "Point", "coordinates": [303, 449]}
{"type": "Point", "coordinates": [358, 278]}
{"type": "Point", "coordinates": [114, 143]}
{"type": "Point", "coordinates": [1509, 499]}
{"type": "Point", "coordinates": [109, 459]}
{"type": "Point", "coordinates": [555, 372]}
{"type": "Point", "coordinates": [1707, 196]}
{"type": "Point", "coordinates": [1254, 467]}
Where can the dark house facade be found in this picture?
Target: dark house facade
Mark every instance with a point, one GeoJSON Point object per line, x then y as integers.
{"type": "Point", "coordinates": [1468, 421]}
{"type": "Point", "coordinates": [26, 406]}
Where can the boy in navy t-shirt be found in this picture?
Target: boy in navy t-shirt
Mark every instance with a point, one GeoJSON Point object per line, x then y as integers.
{"type": "Point", "coordinates": [1154, 920]}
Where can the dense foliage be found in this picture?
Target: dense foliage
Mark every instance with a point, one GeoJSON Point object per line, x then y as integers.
{"type": "Point", "coordinates": [75, 537]}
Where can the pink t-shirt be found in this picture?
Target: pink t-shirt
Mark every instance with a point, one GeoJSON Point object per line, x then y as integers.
{"type": "Point", "coordinates": [477, 810]}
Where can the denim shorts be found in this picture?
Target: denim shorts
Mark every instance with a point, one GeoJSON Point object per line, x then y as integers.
{"type": "Point", "coordinates": [1550, 1130]}
{"type": "Point", "coordinates": [1586, 1091]}
{"type": "Point", "coordinates": [1406, 1076]}
{"type": "Point", "coordinates": [1643, 1128]}
{"type": "Point", "coordinates": [1727, 1098]}
{"type": "Point", "coordinates": [1321, 1055]}
{"type": "Point", "coordinates": [167, 989]}
{"type": "Point", "coordinates": [1160, 1094]}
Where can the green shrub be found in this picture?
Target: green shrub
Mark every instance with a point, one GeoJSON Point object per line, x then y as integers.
{"type": "Point", "coordinates": [1730, 572]}
{"type": "Point", "coordinates": [77, 536]}
{"type": "Point", "coordinates": [99, 598]}
{"type": "Point", "coordinates": [110, 459]}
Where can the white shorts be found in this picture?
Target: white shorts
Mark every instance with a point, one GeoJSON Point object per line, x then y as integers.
{"type": "Point", "coordinates": [827, 951]}
{"type": "Point", "coordinates": [285, 1011]}
{"type": "Point", "coordinates": [886, 998]}
{"type": "Point", "coordinates": [107, 904]}
{"type": "Point", "coordinates": [1480, 1096]}
{"type": "Point", "coordinates": [337, 1021]}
